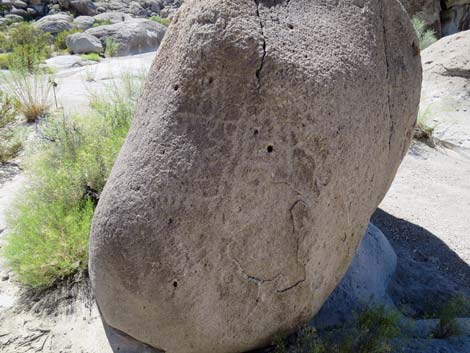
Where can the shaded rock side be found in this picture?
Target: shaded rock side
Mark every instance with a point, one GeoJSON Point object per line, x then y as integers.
{"type": "Point", "coordinates": [267, 134]}
{"type": "Point", "coordinates": [365, 284]}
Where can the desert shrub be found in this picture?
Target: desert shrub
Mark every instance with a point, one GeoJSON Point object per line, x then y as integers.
{"type": "Point", "coordinates": [32, 91]}
{"type": "Point", "coordinates": [11, 143]}
{"type": "Point", "coordinates": [458, 306]}
{"type": "Point", "coordinates": [4, 61]}
{"type": "Point", "coordinates": [28, 46]}
{"type": "Point", "coordinates": [111, 47]}
{"type": "Point", "coordinates": [68, 168]}
{"type": "Point", "coordinates": [101, 23]}
{"type": "Point", "coordinates": [59, 42]}
{"type": "Point", "coordinates": [423, 130]}
{"type": "Point", "coordinates": [163, 21]}
{"type": "Point", "coordinates": [371, 332]}
{"type": "Point", "coordinates": [91, 56]}
{"type": "Point", "coordinates": [8, 109]}
{"type": "Point", "coordinates": [426, 36]}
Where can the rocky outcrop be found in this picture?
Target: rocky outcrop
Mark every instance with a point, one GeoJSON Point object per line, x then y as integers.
{"type": "Point", "coordinates": [55, 23]}
{"type": "Point", "coordinates": [267, 134]}
{"type": "Point", "coordinates": [113, 17]}
{"type": "Point", "coordinates": [83, 43]}
{"type": "Point", "coordinates": [83, 22]}
{"type": "Point", "coordinates": [445, 17]}
{"type": "Point", "coordinates": [132, 37]}
{"type": "Point", "coordinates": [445, 102]}
{"type": "Point", "coordinates": [455, 16]}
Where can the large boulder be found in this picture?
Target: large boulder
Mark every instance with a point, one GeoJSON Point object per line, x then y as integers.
{"type": "Point", "coordinates": [83, 43]}
{"type": "Point", "coordinates": [84, 22]}
{"type": "Point", "coordinates": [54, 23]}
{"type": "Point", "coordinates": [132, 37]}
{"type": "Point", "coordinates": [267, 134]}
{"type": "Point", "coordinates": [445, 104]}
{"type": "Point", "coordinates": [83, 7]}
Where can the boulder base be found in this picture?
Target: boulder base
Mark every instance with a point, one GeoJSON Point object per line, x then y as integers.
{"type": "Point", "coordinates": [267, 134]}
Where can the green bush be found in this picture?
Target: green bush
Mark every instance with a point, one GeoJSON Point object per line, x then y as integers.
{"type": "Point", "coordinates": [4, 61]}
{"type": "Point", "coordinates": [371, 332]}
{"type": "Point", "coordinates": [8, 109]}
{"type": "Point", "coordinates": [426, 36]}
{"type": "Point", "coordinates": [458, 306]}
{"type": "Point", "coordinates": [111, 47]}
{"type": "Point", "coordinates": [91, 57]}
{"type": "Point", "coordinates": [101, 23]}
{"type": "Point", "coordinates": [68, 169]}
{"type": "Point", "coordinates": [11, 143]}
{"type": "Point", "coordinates": [59, 42]}
{"type": "Point", "coordinates": [28, 46]}
{"type": "Point", "coordinates": [163, 21]}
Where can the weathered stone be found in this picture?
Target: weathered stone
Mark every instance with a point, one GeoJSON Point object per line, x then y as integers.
{"type": "Point", "coordinates": [133, 37]}
{"type": "Point", "coordinates": [267, 134]}
{"type": "Point", "coordinates": [83, 7]}
{"type": "Point", "coordinates": [113, 17]}
{"type": "Point", "coordinates": [83, 43]}
{"type": "Point", "coordinates": [11, 18]}
{"type": "Point", "coordinates": [445, 105]}
{"type": "Point", "coordinates": [83, 22]}
{"type": "Point", "coordinates": [55, 23]}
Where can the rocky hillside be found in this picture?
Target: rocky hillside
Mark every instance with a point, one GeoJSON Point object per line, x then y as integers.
{"type": "Point", "coordinates": [444, 16]}
{"type": "Point", "coordinates": [19, 10]}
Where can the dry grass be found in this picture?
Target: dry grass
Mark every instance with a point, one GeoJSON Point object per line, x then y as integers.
{"type": "Point", "coordinates": [33, 92]}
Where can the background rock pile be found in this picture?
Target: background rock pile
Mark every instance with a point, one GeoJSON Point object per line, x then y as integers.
{"type": "Point", "coordinates": [19, 10]}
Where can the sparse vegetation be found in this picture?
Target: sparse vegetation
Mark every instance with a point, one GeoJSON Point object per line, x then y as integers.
{"type": "Point", "coordinates": [111, 47]}
{"type": "Point", "coordinates": [102, 23]}
{"type": "Point", "coordinates": [31, 90]}
{"type": "Point", "coordinates": [371, 332]}
{"type": "Point", "coordinates": [11, 143]}
{"type": "Point", "coordinates": [68, 168]}
{"type": "Point", "coordinates": [27, 46]}
{"type": "Point", "coordinates": [4, 60]}
{"type": "Point", "coordinates": [426, 36]}
{"type": "Point", "coordinates": [163, 21]}
{"type": "Point", "coordinates": [423, 131]}
{"type": "Point", "coordinates": [458, 306]}
{"type": "Point", "coordinates": [91, 57]}
{"type": "Point", "coordinates": [8, 109]}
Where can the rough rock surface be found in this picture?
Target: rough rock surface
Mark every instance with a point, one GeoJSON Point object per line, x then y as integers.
{"type": "Point", "coordinates": [83, 22]}
{"type": "Point", "coordinates": [83, 43]}
{"type": "Point", "coordinates": [55, 23]}
{"type": "Point", "coordinates": [266, 136]}
{"type": "Point", "coordinates": [365, 284]}
{"type": "Point", "coordinates": [445, 101]}
{"type": "Point", "coordinates": [427, 10]}
{"type": "Point", "coordinates": [113, 17]}
{"type": "Point", "coordinates": [134, 37]}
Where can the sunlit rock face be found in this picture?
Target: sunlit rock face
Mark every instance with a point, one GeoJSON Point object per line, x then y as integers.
{"type": "Point", "coordinates": [267, 134]}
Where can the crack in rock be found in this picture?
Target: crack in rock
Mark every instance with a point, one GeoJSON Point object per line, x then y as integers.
{"type": "Point", "coordinates": [263, 57]}
{"type": "Point", "coordinates": [387, 78]}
